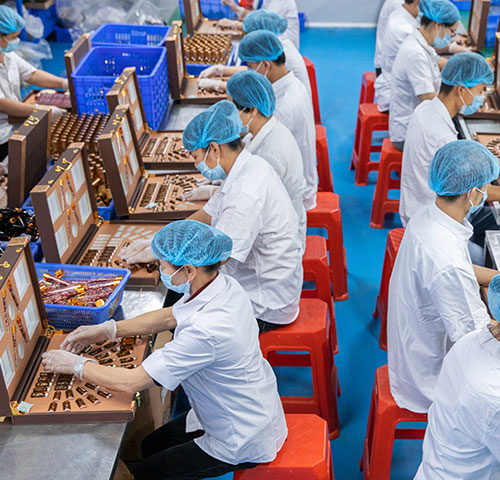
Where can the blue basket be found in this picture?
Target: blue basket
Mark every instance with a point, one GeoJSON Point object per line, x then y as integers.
{"type": "Point", "coordinates": [63, 35]}
{"type": "Point", "coordinates": [197, 68]}
{"type": "Point", "coordinates": [107, 213]}
{"type": "Point", "coordinates": [212, 9]}
{"type": "Point", "coordinates": [462, 5]}
{"type": "Point", "coordinates": [72, 316]}
{"type": "Point", "coordinates": [491, 29]}
{"type": "Point", "coordinates": [121, 34]}
{"type": "Point", "coordinates": [100, 67]}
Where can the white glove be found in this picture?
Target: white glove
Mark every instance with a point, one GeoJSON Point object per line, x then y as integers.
{"type": "Point", "coordinates": [201, 193]}
{"type": "Point", "coordinates": [60, 361]}
{"type": "Point", "coordinates": [65, 84]}
{"type": "Point", "coordinates": [138, 252]}
{"type": "Point", "coordinates": [203, 181]}
{"type": "Point", "coordinates": [454, 47]}
{"type": "Point", "coordinates": [228, 3]}
{"type": "Point", "coordinates": [55, 112]}
{"type": "Point", "coordinates": [87, 334]}
{"type": "Point", "coordinates": [227, 23]}
{"type": "Point", "coordinates": [209, 84]}
{"type": "Point", "coordinates": [213, 71]}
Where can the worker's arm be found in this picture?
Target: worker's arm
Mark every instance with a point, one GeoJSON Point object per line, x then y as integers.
{"type": "Point", "coordinates": [493, 193]}
{"type": "Point", "coordinates": [427, 96]}
{"type": "Point", "coordinates": [201, 216]}
{"type": "Point", "coordinates": [15, 108]}
{"type": "Point", "coordinates": [442, 62]}
{"type": "Point", "coordinates": [47, 80]}
{"type": "Point", "coordinates": [147, 323]}
{"type": "Point", "coordinates": [228, 71]}
{"type": "Point", "coordinates": [484, 275]}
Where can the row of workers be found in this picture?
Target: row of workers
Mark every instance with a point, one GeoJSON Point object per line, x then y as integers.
{"type": "Point", "coordinates": [434, 292]}
{"type": "Point", "coordinates": [236, 265]}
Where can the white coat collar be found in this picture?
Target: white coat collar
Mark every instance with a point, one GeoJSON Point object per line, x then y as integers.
{"type": "Point", "coordinates": [408, 16]}
{"type": "Point", "coordinates": [255, 142]}
{"type": "Point", "coordinates": [282, 83]}
{"type": "Point", "coordinates": [238, 165]}
{"type": "Point", "coordinates": [489, 343]}
{"type": "Point", "coordinates": [428, 48]}
{"type": "Point", "coordinates": [444, 113]}
{"type": "Point", "coordinates": [462, 230]}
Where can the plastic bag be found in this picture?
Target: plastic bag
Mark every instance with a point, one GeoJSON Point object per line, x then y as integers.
{"type": "Point", "coordinates": [145, 12]}
{"type": "Point", "coordinates": [34, 25]}
{"type": "Point", "coordinates": [35, 52]}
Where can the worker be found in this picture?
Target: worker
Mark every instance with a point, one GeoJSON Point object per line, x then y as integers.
{"type": "Point", "coordinates": [387, 8]}
{"type": "Point", "coordinates": [462, 437]}
{"type": "Point", "coordinates": [463, 80]}
{"type": "Point", "coordinates": [415, 75]}
{"type": "Point", "coordinates": [13, 71]}
{"type": "Point", "coordinates": [401, 22]}
{"type": "Point", "coordinates": [434, 289]}
{"type": "Point", "coordinates": [264, 20]}
{"type": "Point", "coordinates": [253, 208]}
{"type": "Point", "coordinates": [285, 8]}
{"type": "Point", "coordinates": [237, 419]}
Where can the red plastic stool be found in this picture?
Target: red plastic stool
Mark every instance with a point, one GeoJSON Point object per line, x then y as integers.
{"type": "Point", "coordinates": [367, 94]}
{"type": "Point", "coordinates": [369, 120]}
{"type": "Point", "coordinates": [315, 264]}
{"type": "Point", "coordinates": [326, 215]}
{"type": "Point", "coordinates": [305, 455]}
{"type": "Point", "coordinates": [391, 250]}
{"type": "Point", "coordinates": [311, 72]}
{"type": "Point", "coordinates": [308, 333]}
{"type": "Point", "coordinates": [381, 430]}
{"type": "Point", "coordinates": [324, 172]}
{"type": "Point", "coordinates": [390, 161]}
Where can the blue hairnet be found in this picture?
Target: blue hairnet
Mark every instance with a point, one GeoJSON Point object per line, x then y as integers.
{"type": "Point", "coordinates": [460, 166]}
{"type": "Point", "coordinates": [439, 11]}
{"type": "Point", "coordinates": [467, 69]}
{"type": "Point", "coordinates": [494, 297]}
{"type": "Point", "coordinates": [10, 20]}
{"type": "Point", "coordinates": [265, 20]}
{"type": "Point", "coordinates": [188, 242]}
{"type": "Point", "coordinates": [251, 89]}
{"type": "Point", "coordinates": [260, 45]}
{"type": "Point", "coordinates": [220, 123]}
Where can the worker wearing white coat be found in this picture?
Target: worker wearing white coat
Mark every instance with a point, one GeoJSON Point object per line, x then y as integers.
{"type": "Point", "coordinates": [462, 439]}
{"type": "Point", "coordinates": [415, 74]}
{"type": "Point", "coordinates": [434, 289]}
{"type": "Point", "coordinates": [402, 22]}
{"type": "Point", "coordinates": [431, 126]}
{"type": "Point", "coordinates": [387, 8]}
{"type": "Point", "coordinates": [237, 419]}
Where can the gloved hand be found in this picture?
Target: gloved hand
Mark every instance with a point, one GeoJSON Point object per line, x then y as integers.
{"type": "Point", "coordinates": [60, 361]}
{"type": "Point", "coordinates": [234, 7]}
{"type": "Point", "coordinates": [55, 112]}
{"type": "Point", "coordinates": [87, 334]}
{"type": "Point", "coordinates": [138, 252]}
{"type": "Point", "coordinates": [454, 47]}
{"type": "Point", "coordinates": [65, 84]}
{"type": "Point", "coordinates": [204, 181]}
{"type": "Point", "coordinates": [209, 84]}
{"type": "Point", "coordinates": [213, 71]}
{"type": "Point", "coordinates": [227, 23]}
{"type": "Point", "coordinates": [201, 193]}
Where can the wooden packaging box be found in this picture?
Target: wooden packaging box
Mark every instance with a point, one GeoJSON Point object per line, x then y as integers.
{"type": "Point", "coordinates": [197, 23]}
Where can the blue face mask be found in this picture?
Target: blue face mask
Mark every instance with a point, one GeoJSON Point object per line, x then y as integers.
{"type": "Point", "coordinates": [11, 46]}
{"type": "Point", "coordinates": [442, 42]}
{"type": "Point", "coordinates": [476, 104]}
{"type": "Point", "coordinates": [475, 208]}
{"type": "Point", "coordinates": [246, 128]}
{"type": "Point", "coordinates": [217, 173]}
{"type": "Point", "coordinates": [167, 281]}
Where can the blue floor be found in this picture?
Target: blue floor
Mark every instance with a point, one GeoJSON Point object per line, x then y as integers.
{"type": "Point", "coordinates": [341, 57]}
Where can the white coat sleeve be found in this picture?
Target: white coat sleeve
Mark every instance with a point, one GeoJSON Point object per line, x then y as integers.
{"type": "Point", "coordinates": [455, 293]}
{"type": "Point", "coordinates": [26, 70]}
{"type": "Point", "coordinates": [420, 75]}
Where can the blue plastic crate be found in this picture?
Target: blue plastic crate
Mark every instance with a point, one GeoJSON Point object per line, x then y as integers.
{"type": "Point", "coordinates": [63, 35]}
{"type": "Point", "coordinates": [302, 22]}
{"type": "Point", "coordinates": [100, 67]}
{"type": "Point", "coordinates": [122, 34]}
{"type": "Point", "coordinates": [462, 5]}
{"type": "Point", "coordinates": [107, 213]}
{"type": "Point", "coordinates": [48, 17]}
{"type": "Point", "coordinates": [72, 316]}
{"type": "Point", "coordinates": [491, 29]}
{"type": "Point", "coordinates": [212, 9]}
{"type": "Point", "coordinates": [36, 249]}
{"type": "Point", "coordinates": [197, 68]}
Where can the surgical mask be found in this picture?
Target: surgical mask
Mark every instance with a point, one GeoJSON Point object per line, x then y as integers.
{"type": "Point", "coordinates": [245, 128]}
{"type": "Point", "coordinates": [257, 69]}
{"type": "Point", "coordinates": [216, 173]}
{"type": "Point", "coordinates": [11, 46]}
{"type": "Point", "coordinates": [167, 281]}
{"type": "Point", "coordinates": [476, 104]}
{"type": "Point", "coordinates": [475, 208]}
{"type": "Point", "coordinates": [442, 42]}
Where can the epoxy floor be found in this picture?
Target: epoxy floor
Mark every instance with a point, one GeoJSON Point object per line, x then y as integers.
{"type": "Point", "coordinates": [340, 57]}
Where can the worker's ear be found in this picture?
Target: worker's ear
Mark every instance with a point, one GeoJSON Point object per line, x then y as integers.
{"type": "Point", "coordinates": [214, 149]}
{"type": "Point", "coordinates": [3, 41]}
{"type": "Point", "coordinates": [190, 272]}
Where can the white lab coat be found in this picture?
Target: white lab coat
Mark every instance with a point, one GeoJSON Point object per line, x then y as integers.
{"type": "Point", "coordinates": [12, 72]}
{"type": "Point", "coordinates": [215, 355]}
{"type": "Point", "coordinates": [287, 9]}
{"type": "Point", "coordinates": [385, 11]}
{"type": "Point", "coordinates": [415, 72]}
{"type": "Point", "coordinates": [400, 24]}
{"type": "Point", "coordinates": [430, 128]}
{"type": "Point", "coordinates": [294, 110]}
{"type": "Point", "coordinates": [254, 209]}
{"type": "Point", "coordinates": [433, 301]}
{"type": "Point", "coordinates": [275, 144]}
{"type": "Point", "coordinates": [462, 441]}
{"type": "Point", "coordinates": [295, 63]}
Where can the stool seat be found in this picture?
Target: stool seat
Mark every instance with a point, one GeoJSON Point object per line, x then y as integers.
{"type": "Point", "coordinates": [327, 215]}
{"type": "Point", "coordinates": [394, 239]}
{"type": "Point", "coordinates": [367, 94]}
{"type": "Point", "coordinates": [311, 72]}
{"type": "Point", "coordinates": [391, 160]}
{"type": "Point", "coordinates": [369, 120]}
{"type": "Point", "coordinates": [323, 157]}
{"type": "Point", "coordinates": [381, 431]}
{"type": "Point", "coordinates": [305, 455]}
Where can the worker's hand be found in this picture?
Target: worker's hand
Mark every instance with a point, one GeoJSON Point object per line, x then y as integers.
{"type": "Point", "coordinates": [88, 334]}
{"type": "Point", "coordinates": [213, 71]}
{"type": "Point", "coordinates": [61, 361]}
{"type": "Point", "coordinates": [227, 23]}
{"type": "Point", "coordinates": [55, 112]}
{"type": "Point", "coordinates": [454, 47]}
{"type": "Point", "coordinates": [209, 84]}
{"type": "Point", "coordinates": [138, 252]}
{"type": "Point", "coordinates": [201, 193]}
{"type": "Point", "coordinates": [65, 84]}
{"type": "Point", "coordinates": [204, 181]}
{"type": "Point", "coordinates": [228, 3]}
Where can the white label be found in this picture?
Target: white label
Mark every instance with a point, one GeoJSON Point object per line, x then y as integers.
{"type": "Point", "coordinates": [124, 183]}
{"type": "Point", "coordinates": [126, 133]}
{"type": "Point", "coordinates": [118, 157]}
{"type": "Point", "coordinates": [138, 119]}
{"type": "Point", "coordinates": [21, 278]}
{"type": "Point", "coordinates": [55, 208]}
{"type": "Point", "coordinates": [61, 240]}
{"type": "Point", "coordinates": [84, 206]}
{"type": "Point", "coordinates": [133, 161]}
{"type": "Point", "coordinates": [78, 175]}
{"type": "Point", "coordinates": [7, 367]}
{"type": "Point", "coordinates": [132, 93]}
{"type": "Point", "coordinates": [31, 317]}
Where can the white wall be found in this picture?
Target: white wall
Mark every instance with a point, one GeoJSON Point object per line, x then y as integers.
{"type": "Point", "coordinates": [340, 12]}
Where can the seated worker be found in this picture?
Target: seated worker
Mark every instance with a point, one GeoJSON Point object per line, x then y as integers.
{"type": "Point", "coordinates": [415, 75]}
{"type": "Point", "coordinates": [13, 71]}
{"type": "Point", "coordinates": [387, 8]}
{"type": "Point", "coordinates": [264, 20]}
{"type": "Point", "coordinates": [463, 434]}
{"type": "Point", "coordinates": [434, 295]}
{"type": "Point", "coordinates": [431, 126]}
{"type": "Point", "coordinates": [253, 208]}
{"type": "Point", "coordinates": [237, 419]}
